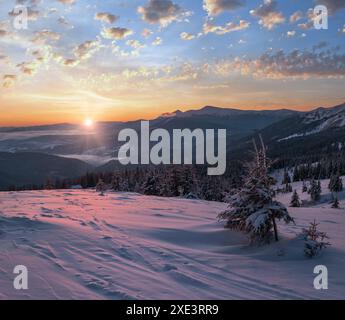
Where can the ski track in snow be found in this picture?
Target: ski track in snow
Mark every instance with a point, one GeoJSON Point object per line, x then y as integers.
{"type": "Point", "coordinates": [80, 245]}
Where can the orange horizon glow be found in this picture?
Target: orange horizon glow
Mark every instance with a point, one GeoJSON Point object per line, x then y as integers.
{"type": "Point", "coordinates": [20, 120]}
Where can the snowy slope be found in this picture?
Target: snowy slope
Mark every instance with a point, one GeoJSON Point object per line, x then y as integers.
{"type": "Point", "coordinates": [79, 245]}
{"type": "Point", "coordinates": [317, 121]}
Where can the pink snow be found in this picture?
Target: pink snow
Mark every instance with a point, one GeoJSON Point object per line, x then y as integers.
{"type": "Point", "coordinates": [77, 244]}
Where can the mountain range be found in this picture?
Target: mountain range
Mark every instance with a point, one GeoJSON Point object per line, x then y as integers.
{"type": "Point", "coordinates": [68, 150]}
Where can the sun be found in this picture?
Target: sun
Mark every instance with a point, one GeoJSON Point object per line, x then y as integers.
{"type": "Point", "coordinates": [88, 123]}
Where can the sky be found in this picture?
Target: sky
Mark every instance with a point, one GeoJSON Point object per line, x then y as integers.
{"type": "Point", "coordinates": [117, 60]}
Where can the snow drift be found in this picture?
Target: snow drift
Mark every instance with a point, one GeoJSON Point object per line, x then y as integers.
{"type": "Point", "coordinates": [80, 245]}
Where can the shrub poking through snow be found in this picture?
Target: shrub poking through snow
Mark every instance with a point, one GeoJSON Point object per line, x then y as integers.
{"type": "Point", "coordinates": [314, 240]}
{"type": "Point", "coordinates": [335, 203]}
{"type": "Point", "coordinates": [295, 203]}
{"type": "Point", "coordinates": [253, 209]}
{"type": "Point", "coordinates": [100, 187]}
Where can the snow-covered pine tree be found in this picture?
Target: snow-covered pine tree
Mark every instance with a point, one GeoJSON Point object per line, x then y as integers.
{"type": "Point", "coordinates": [150, 186]}
{"type": "Point", "coordinates": [315, 190]}
{"type": "Point", "coordinates": [115, 182]}
{"type": "Point", "coordinates": [314, 240]}
{"type": "Point", "coordinates": [100, 187]}
{"type": "Point", "coordinates": [304, 187]}
{"type": "Point", "coordinates": [295, 203]}
{"type": "Point", "coordinates": [335, 184]}
{"type": "Point", "coordinates": [288, 188]}
{"type": "Point", "coordinates": [253, 209]}
{"type": "Point", "coordinates": [286, 178]}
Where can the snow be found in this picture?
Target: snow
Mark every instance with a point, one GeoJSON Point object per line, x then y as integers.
{"type": "Point", "coordinates": [77, 244]}
{"type": "Point", "coordinates": [329, 117]}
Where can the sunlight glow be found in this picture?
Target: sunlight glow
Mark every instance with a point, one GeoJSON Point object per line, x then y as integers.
{"type": "Point", "coordinates": [88, 123]}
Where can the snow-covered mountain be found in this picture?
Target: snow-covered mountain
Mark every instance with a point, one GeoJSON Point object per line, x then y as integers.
{"type": "Point", "coordinates": [316, 121]}
{"type": "Point", "coordinates": [99, 144]}
{"type": "Point", "coordinates": [307, 134]}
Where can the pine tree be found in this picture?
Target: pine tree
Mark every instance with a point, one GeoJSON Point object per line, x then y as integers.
{"type": "Point", "coordinates": [315, 190]}
{"type": "Point", "coordinates": [335, 184]}
{"type": "Point", "coordinates": [253, 209]}
{"type": "Point", "coordinates": [288, 188]}
{"type": "Point", "coordinates": [151, 186]}
{"type": "Point", "coordinates": [100, 187]}
{"type": "Point", "coordinates": [295, 203]}
{"type": "Point", "coordinates": [286, 178]}
{"type": "Point", "coordinates": [314, 240]}
{"type": "Point", "coordinates": [304, 187]}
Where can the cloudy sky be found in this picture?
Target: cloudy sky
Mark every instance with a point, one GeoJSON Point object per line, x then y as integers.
{"type": "Point", "coordinates": [121, 60]}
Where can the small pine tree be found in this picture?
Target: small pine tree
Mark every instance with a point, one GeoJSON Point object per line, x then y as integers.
{"type": "Point", "coordinates": [100, 187]}
{"type": "Point", "coordinates": [314, 240]}
{"type": "Point", "coordinates": [288, 188]}
{"type": "Point", "coordinates": [286, 178]}
{"type": "Point", "coordinates": [151, 186]}
{"type": "Point", "coordinates": [253, 209]}
{"type": "Point", "coordinates": [304, 187]}
{"type": "Point", "coordinates": [315, 190]}
{"type": "Point", "coordinates": [295, 203]}
{"type": "Point", "coordinates": [335, 184]}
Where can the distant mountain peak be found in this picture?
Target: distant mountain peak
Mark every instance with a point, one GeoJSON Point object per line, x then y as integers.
{"type": "Point", "coordinates": [221, 112]}
{"type": "Point", "coordinates": [171, 114]}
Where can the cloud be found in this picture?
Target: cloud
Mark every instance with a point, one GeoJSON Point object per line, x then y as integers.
{"type": "Point", "coordinates": [135, 44]}
{"type": "Point", "coordinates": [157, 41]}
{"type": "Point", "coordinates": [187, 36]}
{"type": "Point", "coordinates": [106, 17]}
{"type": "Point", "coordinates": [28, 68]}
{"type": "Point", "coordinates": [310, 20]}
{"type": "Point", "coordinates": [63, 21]}
{"type": "Point", "coordinates": [216, 7]}
{"type": "Point", "coordinates": [146, 33]}
{"type": "Point", "coordinates": [332, 5]}
{"type": "Point", "coordinates": [162, 12]}
{"type": "Point", "coordinates": [70, 62]}
{"type": "Point", "coordinates": [9, 80]}
{"type": "Point", "coordinates": [86, 50]}
{"type": "Point", "coordinates": [320, 45]}
{"type": "Point", "coordinates": [279, 65]}
{"type": "Point", "coordinates": [296, 16]}
{"type": "Point", "coordinates": [67, 1]}
{"type": "Point", "coordinates": [229, 27]}
{"type": "Point", "coordinates": [291, 34]}
{"type": "Point", "coordinates": [45, 35]}
{"type": "Point", "coordinates": [116, 33]}
{"type": "Point", "coordinates": [268, 15]}
{"type": "Point", "coordinates": [3, 33]}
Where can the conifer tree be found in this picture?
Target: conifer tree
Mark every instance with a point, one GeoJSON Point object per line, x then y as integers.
{"type": "Point", "coordinates": [315, 190]}
{"type": "Point", "coordinates": [314, 240]}
{"type": "Point", "coordinates": [100, 187]}
{"type": "Point", "coordinates": [304, 187]}
{"type": "Point", "coordinates": [335, 184]}
{"type": "Point", "coordinates": [286, 178]}
{"type": "Point", "coordinates": [295, 202]}
{"type": "Point", "coordinates": [288, 188]}
{"type": "Point", "coordinates": [253, 209]}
